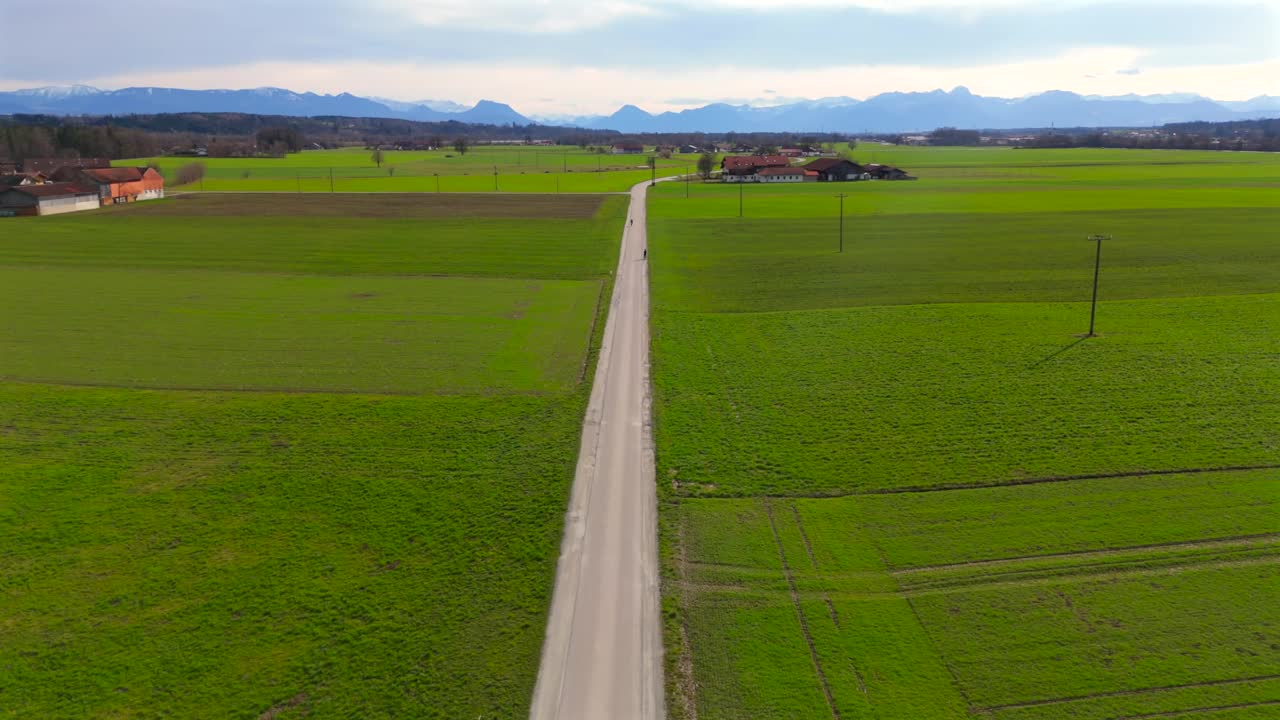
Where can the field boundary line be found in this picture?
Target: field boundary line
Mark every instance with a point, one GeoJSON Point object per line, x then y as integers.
{"type": "Point", "coordinates": [980, 582]}
{"type": "Point", "coordinates": [1213, 708]}
{"type": "Point", "coordinates": [688, 686]}
{"type": "Point", "coordinates": [1241, 540]}
{"type": "Point", "coordinates": [287, 273]}
{"type": "Point", "coordinates": [282, 391]}
{"type": "Point", "coordinates": [951, 487]}
{"type": "Point", "coordinates": [591, 334]}
{"type": "Point", "coordinates": [1168, 569]}
{"type": "Point", "coordinates": [1121, 693]}
{"type": "Point", "coordinates": [804, 624]}
{"type": "Point", "coordinates": [384, 192]}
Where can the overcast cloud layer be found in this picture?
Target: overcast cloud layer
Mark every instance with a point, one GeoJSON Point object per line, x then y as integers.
{"type": "Point", "coordinates": [557, 56]}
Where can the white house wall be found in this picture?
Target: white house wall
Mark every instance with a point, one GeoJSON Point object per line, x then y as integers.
{"type": "Point", "coordinates": [58, 206]}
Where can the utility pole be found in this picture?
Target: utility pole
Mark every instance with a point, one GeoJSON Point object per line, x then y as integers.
{"type": "Point", "coordinates": [1097, 264]}
{"type": "Point", "coordinates": [437, 181]}
{"type": "Point", "coordinates": [842, 196]}
{"type": "Point", "coordinates": [495, 178]}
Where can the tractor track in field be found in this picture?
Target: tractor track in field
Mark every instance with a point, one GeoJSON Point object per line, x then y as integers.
{"type": "Point", "coordinates": [1120, 693]}
{"type": "Point", "coordinates": [804, 623]}
{"type": "Point", "coordinates": [1197, 710]}
{"type": "Point", "coordinates": [1230, 541]}
{"type": "Point", "coordinates": [985, 485]}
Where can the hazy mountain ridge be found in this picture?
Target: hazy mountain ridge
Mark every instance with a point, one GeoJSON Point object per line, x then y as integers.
{"type": "Point", "coordinates": [887, 112]}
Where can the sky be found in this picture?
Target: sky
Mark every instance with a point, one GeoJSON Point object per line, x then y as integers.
{"type": "Point", "coordinates": [575, 57]}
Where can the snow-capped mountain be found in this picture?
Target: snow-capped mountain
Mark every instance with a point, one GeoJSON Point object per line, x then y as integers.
{"type": "Point", "coordinates": [887, 112]}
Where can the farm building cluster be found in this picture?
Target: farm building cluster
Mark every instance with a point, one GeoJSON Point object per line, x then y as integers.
{"type": "Point", "coordinates": [56, 186]}
{"type": "Point", "coordinates": [778, 168]}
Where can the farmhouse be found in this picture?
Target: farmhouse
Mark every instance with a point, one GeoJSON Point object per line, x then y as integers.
{"type": "Point", "coordinates": [887, 172]}
{"type": "Point", "coordinates": [835, 170]}
{"type": "Point", "coordinates": [743, 168]}
{"type": "Point", "coordinates": [689, 149]}
{"type": "Point", "coordinates": [47, 199]}
{"type": "Point", "coordinates": [627, 148]}
{"type": "Point", "coordinates": [786, 174]}
{"type": "Point", "coordinates": [117, 185]}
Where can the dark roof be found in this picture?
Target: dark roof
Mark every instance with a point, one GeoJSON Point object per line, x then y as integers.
{"type": "Point", "coordinates": [52, 190]}
{"type": "Point", "coordinates": [115, 175]}
{"type": "Point", "coordinates": [824, 164]}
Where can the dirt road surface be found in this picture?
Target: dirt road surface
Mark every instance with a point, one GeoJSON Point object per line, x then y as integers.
{"type": "Point", "coordinates": [602, 656]}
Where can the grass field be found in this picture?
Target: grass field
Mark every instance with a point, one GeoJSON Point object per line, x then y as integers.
{"type": "Point", "coordinates": [897, 480]}
{"type": "Point", "coordinates": [534, 169]}
{"type": "Point", "coordinates": [256, 461]}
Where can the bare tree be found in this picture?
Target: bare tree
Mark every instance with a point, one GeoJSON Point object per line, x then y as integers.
{"type": "Point", "coordinates": [461, 145]}
{"type": "Point", "coordinates": [376, 157]}
{"type": "Point", "coordinates": [706, 161]}
{"type": "Point", "coordinates": [189, 173]}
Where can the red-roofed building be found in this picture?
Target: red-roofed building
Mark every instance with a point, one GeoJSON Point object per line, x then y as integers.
{"type": "Point", "coordinates": [47, 199]}
{"type": "Point", "coordinates": [117, 185]}
{"type": "Point", "coordinates": [743, 168]}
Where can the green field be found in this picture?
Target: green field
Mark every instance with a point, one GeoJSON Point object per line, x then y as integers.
{"type": "Point", "coordinates": [261, 460]}
{"type": "Point", "coordinates": [533, 169]}
{"type": "Point", "coordinates": [898, 482]}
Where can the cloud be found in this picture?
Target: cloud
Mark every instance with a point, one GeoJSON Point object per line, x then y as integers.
{"type": "Point", "coordinates": [518, 16]}
{"type": "Point", "coordinates": [439, 44]}
{"type": "Point", "coordinates": [639, 34]}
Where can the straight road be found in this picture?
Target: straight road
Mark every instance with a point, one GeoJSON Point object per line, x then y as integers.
{"type": "Point", "coordinates": [602, 656]}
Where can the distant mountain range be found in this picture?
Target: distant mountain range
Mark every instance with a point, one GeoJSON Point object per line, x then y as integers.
{"type": "Point", "coordinates": [888, 112]}
{"type": "Point", "coordinates": [84, 100]}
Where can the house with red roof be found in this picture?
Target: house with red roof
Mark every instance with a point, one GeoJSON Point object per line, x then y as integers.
{"type": "Point", "coordinates": [743, 168]}
{"type": "Point", "coordinates": [117, 185]}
